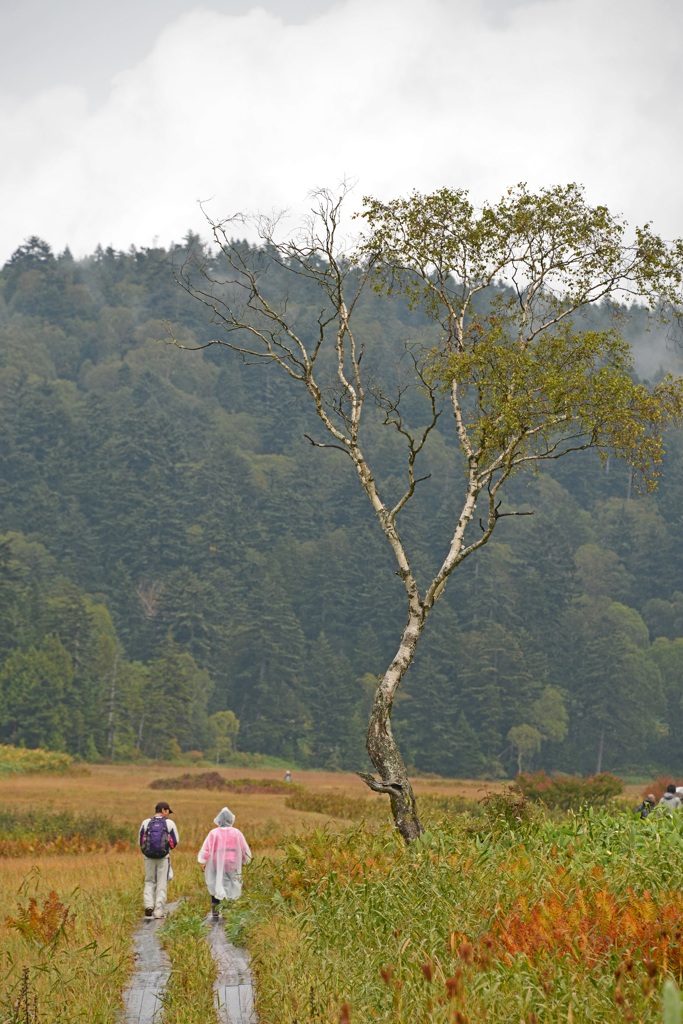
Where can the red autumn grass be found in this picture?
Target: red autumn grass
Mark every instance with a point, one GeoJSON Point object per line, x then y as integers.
{"type": "Point", "coordinates": [43, 924]}
{"type": "Point", "coordinates": [589, 924]}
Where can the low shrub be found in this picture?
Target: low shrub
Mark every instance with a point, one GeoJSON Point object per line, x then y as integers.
{"type": "Point", "coordinates": [508, 811]}
{"type": "Point", "coordinates": [195, 756]}
{"type": "Point", "coordinates": [569, 792]}
{"type": "Point", "coordinates": [215, 781]}
{"type": "Point", "coordinates": [19, 760]}
{"type": "Point", "coordinates": [41, 831]}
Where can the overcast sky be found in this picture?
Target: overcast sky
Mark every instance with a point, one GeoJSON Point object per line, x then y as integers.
{"type": "Point", "coordinates": [117, 119]}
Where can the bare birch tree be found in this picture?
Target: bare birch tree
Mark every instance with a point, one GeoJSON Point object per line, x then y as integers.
{"type": "Point", "coordinates": [512, 360]}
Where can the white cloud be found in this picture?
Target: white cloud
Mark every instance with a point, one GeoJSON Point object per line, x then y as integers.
{"type": "Point", "coordinates": [251, 113]}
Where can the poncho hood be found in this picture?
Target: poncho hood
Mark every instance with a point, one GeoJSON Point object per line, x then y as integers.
{"type": "Point", "coordinates": [224, 818]}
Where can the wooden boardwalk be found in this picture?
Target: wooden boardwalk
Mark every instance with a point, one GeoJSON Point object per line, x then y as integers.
{"type": "Point", "coordinates": [142, 999]}
{"type": "Point", "coordinates": [233, 988]}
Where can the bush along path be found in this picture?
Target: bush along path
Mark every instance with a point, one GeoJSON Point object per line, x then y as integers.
{"type": "Point", "coordinates": [175, 983]}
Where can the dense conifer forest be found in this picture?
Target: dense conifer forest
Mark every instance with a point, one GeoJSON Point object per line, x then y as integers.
{"type": "Point", "coordinates": [171, 546]}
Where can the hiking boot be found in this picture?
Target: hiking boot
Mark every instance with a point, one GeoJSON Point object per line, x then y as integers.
{"type": "Point", "coordinates": [157, 915]}
{"type": "Point", "coordinates": [215, 913]}
{"type": "Point", "coordinates": [148, 911]}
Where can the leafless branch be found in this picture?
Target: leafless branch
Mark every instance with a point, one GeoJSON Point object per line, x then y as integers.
{"type": "Point", "coordinates": [318, 444]}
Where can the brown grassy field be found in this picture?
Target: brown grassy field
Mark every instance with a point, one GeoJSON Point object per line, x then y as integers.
{"type": "Point", "coordinates": [103, 890]}
{"type": "Point", "coordinates": [122, 793]}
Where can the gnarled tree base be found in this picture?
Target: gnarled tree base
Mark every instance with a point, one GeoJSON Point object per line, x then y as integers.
{"type": "Point", "coordinates": [403, 805]}
{"type": "Point", "coordinates": [387, 759]}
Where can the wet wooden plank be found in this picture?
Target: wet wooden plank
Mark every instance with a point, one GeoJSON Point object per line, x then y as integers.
{"type": "Point", "coordinates": [234, 987]}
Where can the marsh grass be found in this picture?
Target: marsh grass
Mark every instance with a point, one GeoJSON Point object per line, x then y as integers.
{"type": "Point", "coordinates": [66, 936]}
{"type": "Point", "coordinates": [80, 978]}
{"type": "Point", "coordinates": [65, 929]}
{"type": "Point", "coordinates": [539, 921]}
{"type": "Point", "coordinates": [375, 810]}
{"type": "Point", "coordinates": [121, 794]}
{"type": "Point", "coordinates": [338, 805]}
{"type": "Point", "coordinates": [343, 922]}
{"type": "Point", "coordinates": [41, 831]}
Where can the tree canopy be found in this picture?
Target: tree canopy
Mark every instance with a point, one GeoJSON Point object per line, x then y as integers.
{"type": "Point", "coordinates": [522, 377]}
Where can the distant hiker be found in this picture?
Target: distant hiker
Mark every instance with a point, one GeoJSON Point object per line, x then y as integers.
{"type": "Point", "coordinates": [288, 776]}
{"type": "Point", "coordinates": [671, 801]}
{"type": "Point", "coordinates": [648, 803]}
{"type": "Point", "coordinates": [158, 836]}
{"type": "Point", "coordinates": [222, 855]}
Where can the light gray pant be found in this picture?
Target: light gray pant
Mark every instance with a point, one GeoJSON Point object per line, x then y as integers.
{"type": "Point", "coordinates": [156, 882]}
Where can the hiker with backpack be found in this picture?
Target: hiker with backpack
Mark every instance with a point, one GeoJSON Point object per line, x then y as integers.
{"type": "Point", "coordinates": [222, 855]}
{"type": "Point", "coordinates": [645, 808]}
{"type": "Point", "coordinates": [670, 801]}
{"type": "Point", "coordinates": [158, 836]}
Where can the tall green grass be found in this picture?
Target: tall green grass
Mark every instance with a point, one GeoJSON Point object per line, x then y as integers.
{"type": "Point", "coordinates": [375, 810]}
{"type": "Point", "coordinates": [509, 917]}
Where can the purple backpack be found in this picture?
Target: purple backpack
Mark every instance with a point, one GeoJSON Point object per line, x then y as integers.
{"type": "Point", "coordinates": [156, 841]}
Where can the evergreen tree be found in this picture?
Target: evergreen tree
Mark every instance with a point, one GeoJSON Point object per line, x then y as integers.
{"type": "Point", "coordinates": [33, 685]}
{"type": "Point", "coordinates": [171, 696]}
{"type": "Point", "coordinates": [616, 702]}
{"type": "Point", "coordinates": [266, 668]}
{"type": "Point", "coordinates": [329, 692]}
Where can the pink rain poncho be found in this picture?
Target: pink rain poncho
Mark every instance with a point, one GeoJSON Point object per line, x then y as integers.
{"type": "Point", "coordinates": [224, 851]}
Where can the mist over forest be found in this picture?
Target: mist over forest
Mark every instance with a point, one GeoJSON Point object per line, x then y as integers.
{"type": "Point", "coordinates": [171, 546]}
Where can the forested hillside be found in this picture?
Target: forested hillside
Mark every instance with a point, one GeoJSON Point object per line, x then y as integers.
{"type": "Point", "coordinates": [173, 546]}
